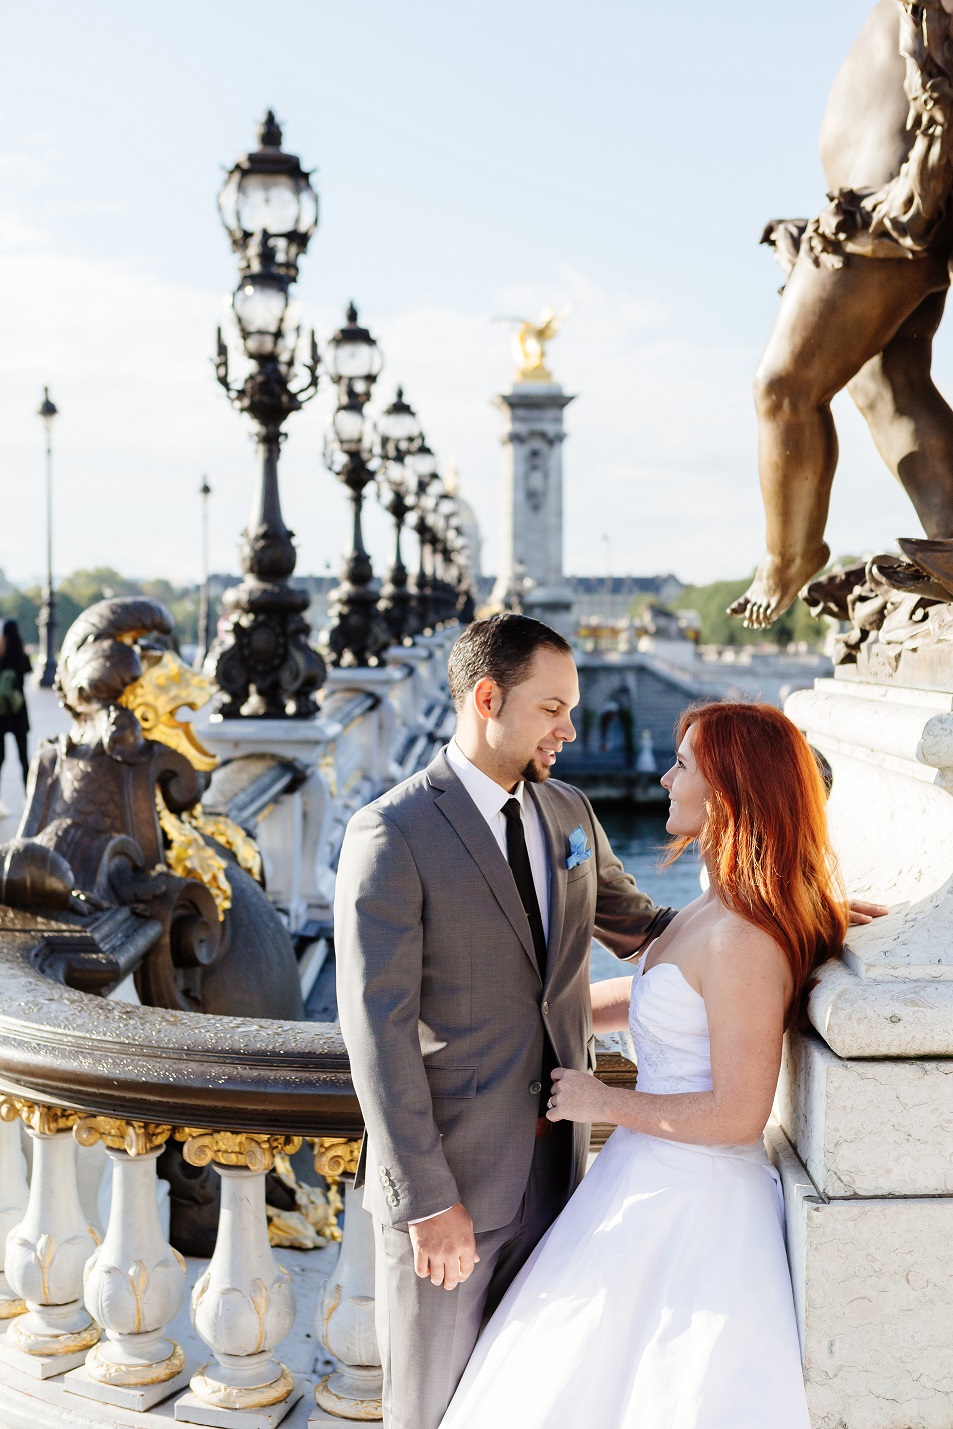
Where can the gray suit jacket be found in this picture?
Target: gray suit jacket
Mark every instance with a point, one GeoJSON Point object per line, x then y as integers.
{"type": "Point", "coordinates": [441, 1004]}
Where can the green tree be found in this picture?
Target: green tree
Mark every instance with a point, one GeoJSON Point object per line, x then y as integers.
{"type": "Point", "coordinates": [719, 628]}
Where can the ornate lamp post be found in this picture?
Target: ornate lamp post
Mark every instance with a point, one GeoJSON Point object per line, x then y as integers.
{"type": "Point", "coordinates": [47, 412]}
{"type": "Point", "coordinates": [396, 596]}
{"type": "Point", "coordinates": [357, 633]}
{"type": "Point", "coordinates": [263, 664]}
{"type": "Point", "coordinates": [420, 617]}
{"type": "Point", "coordinates": [404, 450]}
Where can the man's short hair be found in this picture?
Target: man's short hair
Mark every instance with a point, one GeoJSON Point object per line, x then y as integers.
{"type": "Point", "coordinates": [501, 648]}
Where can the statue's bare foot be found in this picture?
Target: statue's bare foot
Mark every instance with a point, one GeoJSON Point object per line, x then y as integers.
{"type": "Point", "coordinates": [775, 588]}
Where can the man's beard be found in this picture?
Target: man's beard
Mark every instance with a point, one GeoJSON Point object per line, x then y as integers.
{"type": "Point", "coordinates": [533, 774]}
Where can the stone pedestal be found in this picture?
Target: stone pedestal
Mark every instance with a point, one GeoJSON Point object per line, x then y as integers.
{"type": "Point", "coordinates": [865, 1102]}
{"type": "Point", "coordinates": [531, 505]}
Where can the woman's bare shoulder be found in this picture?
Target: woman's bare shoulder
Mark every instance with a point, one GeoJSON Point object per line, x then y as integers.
{"type": "Point", "coordinates": [737, 947]}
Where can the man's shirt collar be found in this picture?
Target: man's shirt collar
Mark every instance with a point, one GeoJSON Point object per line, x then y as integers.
{"type": "Point", "coordinates": [488, 796]}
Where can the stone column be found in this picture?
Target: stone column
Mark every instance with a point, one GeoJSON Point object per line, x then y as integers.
{"type": "Point", "coordinates": [134, 1283]}
{"type": "Point", "coordinates": [47, 1252]}
{"type": "Point", "coordinates": [865, 1103]}
{"type": "Point", "coordinates": [344, 1319]}
{"type": "Point", "coordinates": [14, 1194]}
{"type": "Point", "coordinates": [243, 1306]}
{"type": "Point", "coordinates": [530, 561]}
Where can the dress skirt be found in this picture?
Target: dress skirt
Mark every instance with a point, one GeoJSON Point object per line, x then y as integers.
{"type": "Point", "coordinates": [660, 1299]}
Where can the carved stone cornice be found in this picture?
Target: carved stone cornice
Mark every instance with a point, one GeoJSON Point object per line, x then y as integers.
{"type": "Point", "coordinates": [254, 1150]}
{"type": "Point", "coordinates": [136, 1138]}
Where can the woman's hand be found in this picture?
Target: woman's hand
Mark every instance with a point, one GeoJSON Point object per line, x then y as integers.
{"type": "Point", "coordinates": [577, 1096]}
{"type": "Point", "coordinates": [861, 911]}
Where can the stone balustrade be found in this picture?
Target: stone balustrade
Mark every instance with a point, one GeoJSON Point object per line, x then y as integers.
{"type": "Point", "coordinates": [87, 1321]}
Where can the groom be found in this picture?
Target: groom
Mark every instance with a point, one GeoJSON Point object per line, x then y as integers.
{"type": "Point", "coordinates": [466, 900]}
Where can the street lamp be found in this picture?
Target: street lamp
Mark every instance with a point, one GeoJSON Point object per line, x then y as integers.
{"type": "Point", "coordinates": [402, 448]}
{"type": "Point", "coordinates": [204, 638]}
{"type": "Point", "coordinates": [396, 597]}
{"type": "Point", "coordinates": [46, 671]}
{"type": "Point", "coordinates": [357, 633]}
{"type": "Point", "coordinates": [263, 663]}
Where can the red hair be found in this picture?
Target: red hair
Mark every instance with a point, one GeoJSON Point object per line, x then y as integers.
{"type": "Point", "coordinates": [765, 838]}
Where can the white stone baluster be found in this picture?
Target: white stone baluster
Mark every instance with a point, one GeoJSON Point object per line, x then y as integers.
{"type": "Point", "coordinates": [344, 1319]}
{"type": "Point", "coordinates": [135, 1282]}
{"type": "Point", "coordinates": [14, 1194]}
{"type": "Point", "coordinates": [243, 1306]}
{"type": "Point", "coordinates": [46, 1253]}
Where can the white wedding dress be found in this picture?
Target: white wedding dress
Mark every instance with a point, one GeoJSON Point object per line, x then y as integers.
{"type": "Point", "coordinates": [660, 1298]}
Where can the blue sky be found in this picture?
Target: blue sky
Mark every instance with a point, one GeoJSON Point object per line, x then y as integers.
{"type": "Point", "coordinates": [472, 161]}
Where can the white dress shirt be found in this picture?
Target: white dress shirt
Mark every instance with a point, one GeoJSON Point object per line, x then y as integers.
{"type": "Point", "coordinates": [489, 798]}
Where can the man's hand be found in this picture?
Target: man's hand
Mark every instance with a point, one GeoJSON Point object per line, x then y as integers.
{"type": "Point", "coordinates": [577, 1096]}
{"type": "Point", "coordinates": [445, 1247]}
{"type": "Point", "coordinates": [863, 912]}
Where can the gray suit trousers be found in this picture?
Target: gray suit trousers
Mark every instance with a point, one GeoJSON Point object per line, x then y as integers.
{"type": "Point", "coordinates": [426, 1333]}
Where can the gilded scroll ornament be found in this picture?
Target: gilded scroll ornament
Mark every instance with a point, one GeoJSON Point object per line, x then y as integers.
{"type": "Point", "coordinates": [189, 856]}
{"type": "Point", "coordinates": [231, 836]}
{"type": "Point", "coordinates": [256, 1150]}
{"type": "Point", "coordinates": [165, 686]}
{"type": "Point", "coordinates": [314, 1221]}
{"type": "Point", "coordinates": [136, 1138]}
{"type": "Point", "coordinates": [43, 1120]}
{"type": "Point", "coordinates": [335, 1156]}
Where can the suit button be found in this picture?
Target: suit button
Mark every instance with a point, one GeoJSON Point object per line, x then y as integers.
{"type": "Point", "coordinates": [545, 1006]}
{"type": "Point", "coordinates": [535, 1088]}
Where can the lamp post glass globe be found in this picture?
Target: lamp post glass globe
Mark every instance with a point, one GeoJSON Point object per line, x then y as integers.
{"type": "Point", "coordinates": [268, 192]}
{"type": "Point", "coordinates": [398, 422]}
{"type": "Point", "coordinates": [349, 426]}
{"type": "Point", "coordinates": [260, 304]}
{"type": "Point", "coordinates": [423, 461]}
{"type": "Point", "coordinates": [353, 356]}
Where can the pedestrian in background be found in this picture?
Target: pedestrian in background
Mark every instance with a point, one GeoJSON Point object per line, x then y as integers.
{"type": "Point", "coordinates": [14, 718]}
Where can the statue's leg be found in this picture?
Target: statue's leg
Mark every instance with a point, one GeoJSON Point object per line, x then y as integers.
{"type": "Point", "coordinates": [909, 420]}
{"type": "Point", "coordinates": [830, 323]}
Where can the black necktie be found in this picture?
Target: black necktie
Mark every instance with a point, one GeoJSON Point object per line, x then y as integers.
{"type": "Point", "coordinates": [518, 857]}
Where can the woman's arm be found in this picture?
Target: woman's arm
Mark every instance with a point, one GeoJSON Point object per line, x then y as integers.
{"type": "Point", "coordinates": [746, 986]}
{"type": "Point", "coordinates": [610, 1004]}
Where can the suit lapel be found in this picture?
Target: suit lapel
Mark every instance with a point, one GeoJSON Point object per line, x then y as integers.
{"type": "Point", "coordinates": [459, 810]}
{"type": "Point", "coordinates": [555, 847]}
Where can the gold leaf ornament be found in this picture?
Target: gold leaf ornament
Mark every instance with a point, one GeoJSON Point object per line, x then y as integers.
{"type": "Point", "coordinates": [189, 856]}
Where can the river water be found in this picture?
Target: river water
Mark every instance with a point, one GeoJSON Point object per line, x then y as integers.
{"type": "Point", "coordinates": [638, 837]}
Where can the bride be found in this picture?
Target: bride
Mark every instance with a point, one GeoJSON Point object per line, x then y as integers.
{"type": "Point", "coordinates": [661, 1298]}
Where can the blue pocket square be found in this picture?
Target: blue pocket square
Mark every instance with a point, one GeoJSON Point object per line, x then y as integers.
{"type": "Point", "coordinates": [579, 851]}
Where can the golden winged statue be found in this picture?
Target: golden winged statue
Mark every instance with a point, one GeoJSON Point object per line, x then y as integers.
{"type": "Point", "coordinates": [529, 344]}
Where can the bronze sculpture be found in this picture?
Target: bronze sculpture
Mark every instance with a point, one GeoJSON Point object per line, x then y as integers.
{"type": "Point", "coordinates": [866, 288]}
{"type": "Point", "coordinates": [113, 820]}
{"type": "Point", "coordinates": [117, 800]}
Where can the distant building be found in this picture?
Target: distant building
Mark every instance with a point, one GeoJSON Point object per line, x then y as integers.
{"type": "Point", "coordinates": [610, 597]}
